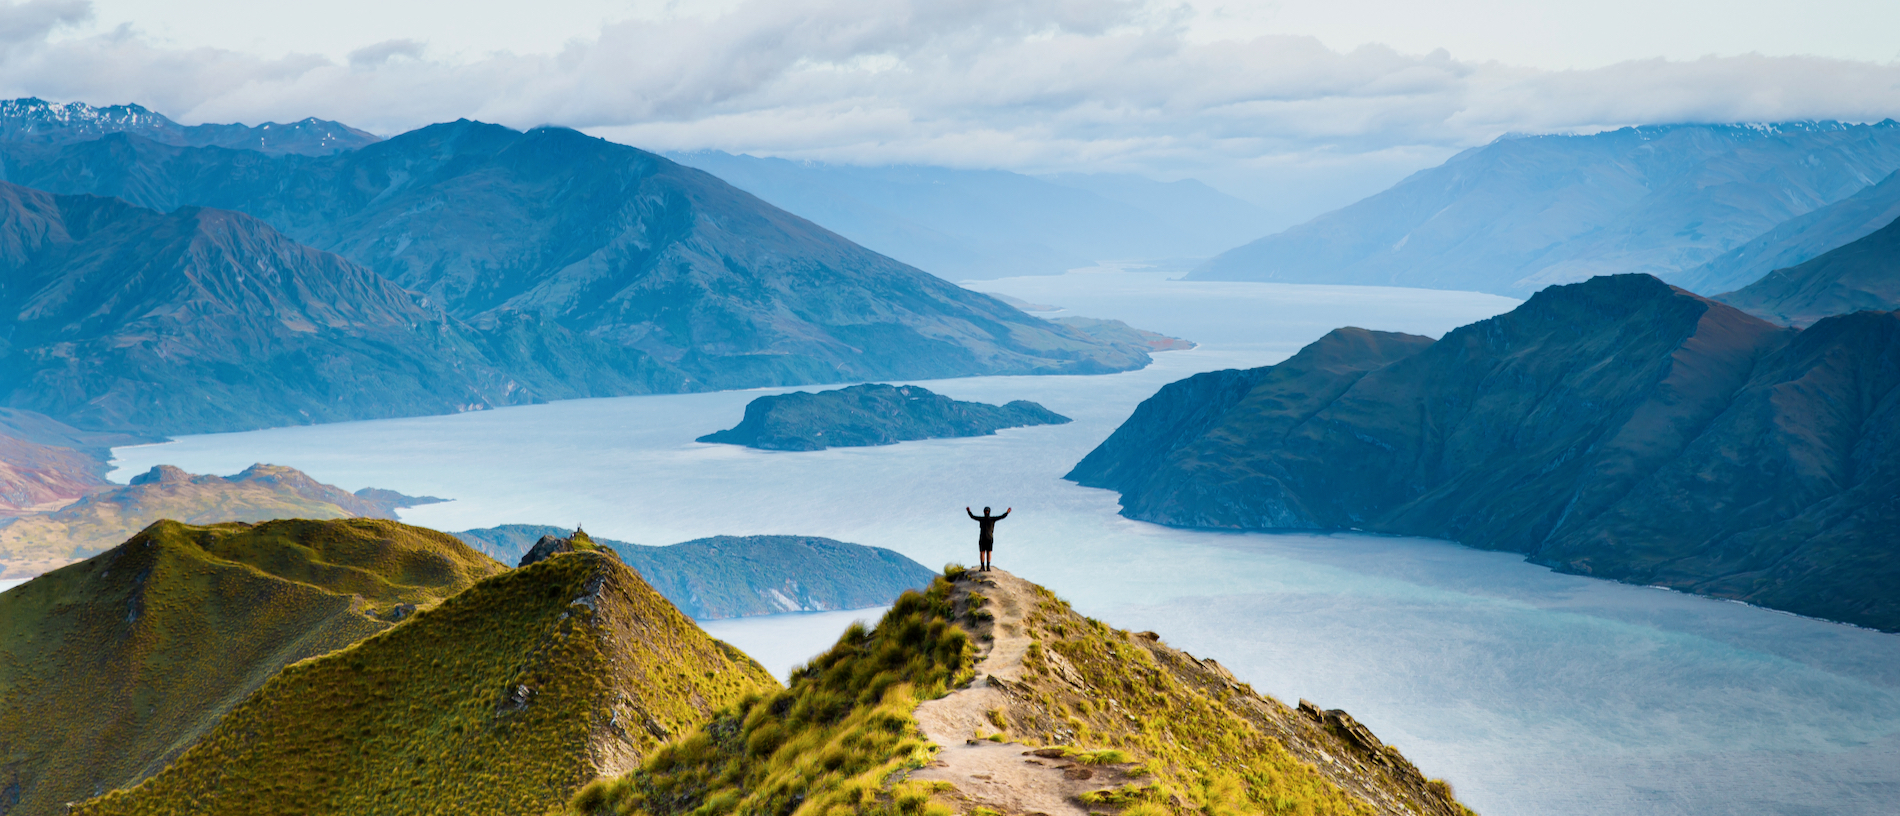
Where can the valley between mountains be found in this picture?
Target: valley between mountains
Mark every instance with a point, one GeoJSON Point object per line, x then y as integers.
{"type": "Point", "coordinates": [1688, 377]}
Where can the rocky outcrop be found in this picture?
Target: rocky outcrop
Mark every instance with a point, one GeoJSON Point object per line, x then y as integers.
{"type": "Point", "coordinates": [872, 414]}
{"type": "Point", "coordinates": [1619, 427]}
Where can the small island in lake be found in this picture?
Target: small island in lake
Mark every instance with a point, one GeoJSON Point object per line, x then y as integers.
{"type": "Point", "coordinates": [872, 414]}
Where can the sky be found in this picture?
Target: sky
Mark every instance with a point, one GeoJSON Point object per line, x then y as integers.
{"type": "Point", "coordinates": [1301, 103]}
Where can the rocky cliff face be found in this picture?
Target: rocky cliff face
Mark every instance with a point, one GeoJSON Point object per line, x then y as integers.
{"type": "Point", "coordinates": [1617, 427]}
{"type": "Point", "coordinates": [1863, 275]}
{"type": "Point", "coordinates": [620, 245]}
{"type": "Point", "coordinates": [110, 668]}
{"type": "Point", "coordinates": [872, 414]}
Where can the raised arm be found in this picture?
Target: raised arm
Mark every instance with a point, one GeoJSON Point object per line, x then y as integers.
{"type": "Point", "coordinates": [1005, 512]}
{"type": "Point", "coordinates": [970, 513]}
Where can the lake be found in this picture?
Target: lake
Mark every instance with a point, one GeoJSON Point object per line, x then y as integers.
{"type": "Point", "coordinates": [1532, 692]}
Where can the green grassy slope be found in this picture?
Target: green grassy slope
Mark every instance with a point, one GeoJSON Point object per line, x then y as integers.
{"type": "Point", "coordinates": [1209, 743]}
{"type": "Point", "coordinates": [830, 740]}
{"type": "Point", "coordinates": [112, 666]}
{"type": "Point", "coordinates": [843, 739]}
{"type": "Point", "coordinates": [504, 699]}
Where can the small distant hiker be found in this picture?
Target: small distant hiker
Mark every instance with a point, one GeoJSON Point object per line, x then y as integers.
{"type": "Point", "coordinates": [986, 539]}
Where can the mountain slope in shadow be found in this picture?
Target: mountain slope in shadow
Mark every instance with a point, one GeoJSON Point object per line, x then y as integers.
{"type": "Point", "coordinates": [1618, 427]}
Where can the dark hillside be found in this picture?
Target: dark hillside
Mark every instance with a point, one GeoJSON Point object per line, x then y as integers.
{"type": "Point", "coordinates": [1617, 427]}
{"type": "Point", "coordinates": [111, 667]}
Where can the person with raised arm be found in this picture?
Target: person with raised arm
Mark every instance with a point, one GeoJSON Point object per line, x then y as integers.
{"type": "Point", "coordinates": [986, 538]}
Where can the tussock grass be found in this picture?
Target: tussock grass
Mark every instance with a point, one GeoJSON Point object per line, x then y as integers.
{"type": "Point", "coordinates": [830, 743]}
{"type": "Point", "coordinates": [1204, 743]}
{"type": "Point", "coordinates": [504, 699]}
{"type": "Point", "coordinates": [111, 666]}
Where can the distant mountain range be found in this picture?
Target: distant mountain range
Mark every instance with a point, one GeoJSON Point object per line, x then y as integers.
{"type": "Point", "coordinates": [35, 121]}
{"type": "Point", "coordinates": [1800, 239]}
{"type": "Point", "coordinates": [1618, 427]}
{"type": "Point", "coordinates": [1700, 205]}
{"type": "Point", "coordinates": [980, 224]}
{"type": "Point", "coordinates": [737, 576]}
{"type": "Point", "coordinates": [257, 289]}
{"type": "Point", "coordinates": [1863, 275]}
{"type": "Point", "coordinates": [109, 514]}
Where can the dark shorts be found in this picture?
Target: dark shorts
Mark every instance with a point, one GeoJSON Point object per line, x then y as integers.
{"type": "Point", "coordinates": [985, 546]}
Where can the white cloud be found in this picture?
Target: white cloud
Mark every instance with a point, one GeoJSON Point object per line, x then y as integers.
{"type": "Point", "coordinates": [1038, 85]}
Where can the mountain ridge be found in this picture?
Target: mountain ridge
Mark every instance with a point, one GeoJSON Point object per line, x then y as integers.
{"type": "Point", "coordinates": [663, 275]}
{"type": "Point", "coordinates": [1861, 275]}
{"type": "Point", "coordinates": [30, 119]}
{"type": "Point", "coordinates": [1521, 213]}
{"type": "Point", "coordinates": [1619, 427]}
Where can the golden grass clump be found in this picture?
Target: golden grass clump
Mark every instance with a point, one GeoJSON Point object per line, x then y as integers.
{"type": "Point", "coordinates": [830, 743]}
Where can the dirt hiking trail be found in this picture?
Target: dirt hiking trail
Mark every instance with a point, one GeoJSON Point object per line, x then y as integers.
{"type": "Point", "coordinates": [1007, 776]}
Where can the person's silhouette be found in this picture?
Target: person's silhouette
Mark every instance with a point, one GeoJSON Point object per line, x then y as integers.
{"type": "Point", "coordinates": [986, 539]}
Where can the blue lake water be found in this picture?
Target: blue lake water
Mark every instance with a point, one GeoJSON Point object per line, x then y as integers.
{"type": "Point", "coordinates": [1532, 692]}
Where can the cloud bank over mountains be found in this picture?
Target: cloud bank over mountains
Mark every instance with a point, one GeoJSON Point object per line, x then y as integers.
{"type": "Point", "coordinates": [1029, 85]}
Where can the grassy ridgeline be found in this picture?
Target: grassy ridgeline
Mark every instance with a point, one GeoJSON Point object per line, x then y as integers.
{"type": "Point", "coordinates": [112, 666]}
{"type": "Point", "coordinates": [504, 699]}
{"type": "Point", "coordinates": [842, 739]}
{"type": "Point", "coordinates": [830, 740]}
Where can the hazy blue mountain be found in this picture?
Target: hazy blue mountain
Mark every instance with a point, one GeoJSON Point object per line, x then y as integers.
{"type": "Point", "coordinates": [1618, 427]}
{"type": "Point", "coordinates": [200, 320]}
{"type": "Point", "coordinates": [618, 245]}
{"type": "Point", "coordinates": [35, 121]}
{"type": "Point", "coordinates": [741, 576]}
{"type": "Point", "coordinates": [1525, 212]}
{"type": "Point", "coordinates": [1863, 275]}
{"type": "Point", "coordinates": [977, 224]}
{"type": "Point", "coordinates": [1800, 239]}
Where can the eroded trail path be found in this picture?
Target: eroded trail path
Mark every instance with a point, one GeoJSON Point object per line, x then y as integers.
{"type": "Point", "coordinates": [999, 775]}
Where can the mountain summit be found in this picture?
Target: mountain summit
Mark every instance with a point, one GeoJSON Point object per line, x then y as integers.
{"type": "Point", "coordinates": [34, 120]}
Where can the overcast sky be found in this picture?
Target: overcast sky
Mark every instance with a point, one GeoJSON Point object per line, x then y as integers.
{"type": "Point", "coordinates": [1295, 103]}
